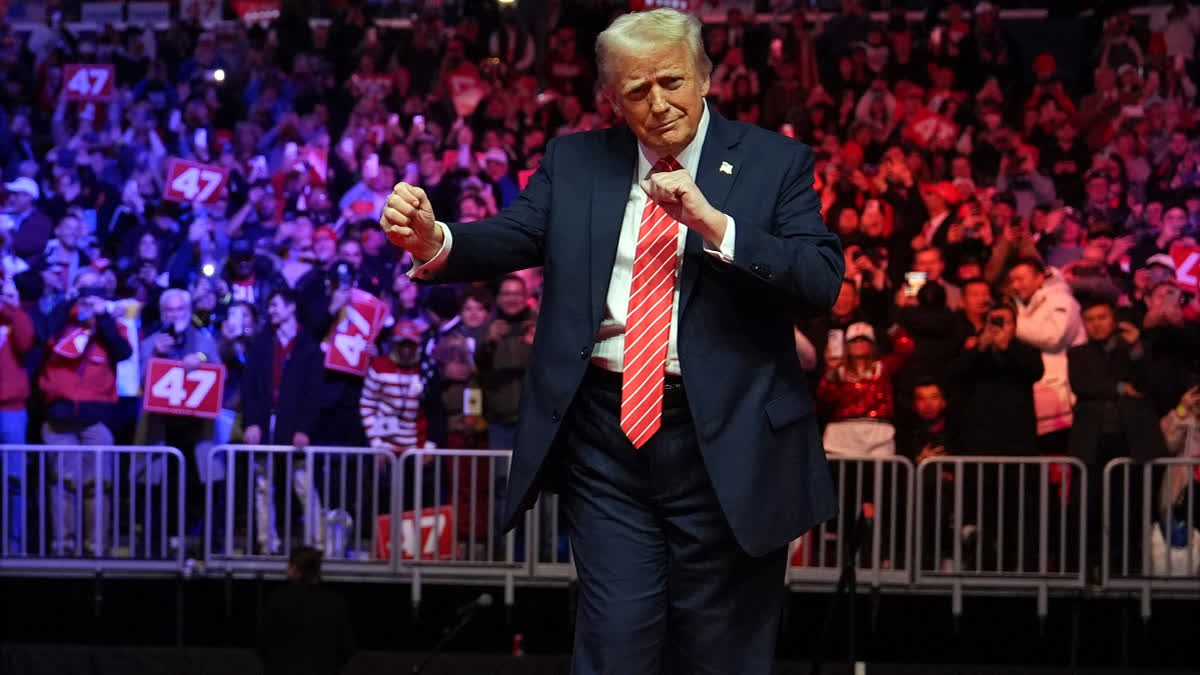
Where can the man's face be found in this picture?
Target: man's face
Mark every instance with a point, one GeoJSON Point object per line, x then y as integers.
{"type": "Point", "coordinates": [1099, 322]}
{"type": "Point", "coordinates": [405, 352]}
{"type": "Point", "coordinates": [280, 311]}
{"type": "Point", "coordinates": [19, 202]}
{"type": "Point", "coordinates": [860, 348]}
{"type": "Point", "coordinates": [175, 313]}
{"type": "Point", "coordinates": [929, 402]}
{"type": "Point", "coordinates": [1097, 189]}
{"type": "Point", "coordinates": [324, 249]}
{"type": "Point", "coordinates": [930, 262]}
{"type": "Point", "coordinates": [512, 297]}
{"type": "Point", "coordinates": [1025, 281]}
{"type": "Point", "coordinates": [350, 252]}
{"type": "Point", "coordinates": [1174, 220]}
{"type": "Point", "coordinates": [1002, 214]}
{"type": "Point", "coordinates": [69, 232]}
{"type": "Point", "coordinates": [660, 95]}
{"type": "Point", "coordinates": [977, 299]}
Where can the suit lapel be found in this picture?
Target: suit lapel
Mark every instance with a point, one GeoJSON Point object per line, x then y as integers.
{"type": "Point", "coordinates": [610, 193]}
{"type": "Point", "coordinates": [720, 162]}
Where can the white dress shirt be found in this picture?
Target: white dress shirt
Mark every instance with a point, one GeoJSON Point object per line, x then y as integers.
{"type": "Point", "coordinates": [609, 351]}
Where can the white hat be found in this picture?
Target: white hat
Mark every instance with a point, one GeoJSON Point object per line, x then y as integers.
{"type": "Point", "coordinates": [1161, 259]}
{"type": "Point", "coordinates": [495, 155]}
{"type": "Point", "coordinates": [860, 330]}
{"type": "Point", "coordinates": [24, 184]}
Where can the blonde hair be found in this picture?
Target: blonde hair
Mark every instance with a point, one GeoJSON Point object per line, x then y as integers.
{"type": "Point", "coordinates": [651, 30]}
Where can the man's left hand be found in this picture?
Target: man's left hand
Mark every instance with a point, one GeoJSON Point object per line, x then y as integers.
{"type": "Point", "coordinates": [190, 362]}
{"type": "Point", "coordinates": [677, 194]}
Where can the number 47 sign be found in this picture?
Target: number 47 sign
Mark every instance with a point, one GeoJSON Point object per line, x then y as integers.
{"type": "Point", "coordinates": [189, 181]}
{"type": "Point", "coordinates": [89, 82]}
{"type": "Point", "coordinates": [171, 390]}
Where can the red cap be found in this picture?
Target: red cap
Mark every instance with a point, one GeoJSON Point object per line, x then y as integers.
{"type": "Point", "coordinates": [852, 149]}
{"type": "Point", "coordinates": [324, 232]}
{"type": "Point", "coordinates": [1045, 65]}
{"type": "Point", "coordinates": [944, 189]}
{"type": "Point", "coordinates": [406, 330]}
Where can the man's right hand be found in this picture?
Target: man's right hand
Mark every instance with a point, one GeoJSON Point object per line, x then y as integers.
{"type": "Point", "coordinates": [252, 435]}
{"type": "Point", "coordinates": [408, 222]}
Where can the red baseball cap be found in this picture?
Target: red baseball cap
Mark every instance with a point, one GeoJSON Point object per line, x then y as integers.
{"type": "Point", "coordinates": [324, 232]}
{"type": "Point", "coordinates": [944, 189]}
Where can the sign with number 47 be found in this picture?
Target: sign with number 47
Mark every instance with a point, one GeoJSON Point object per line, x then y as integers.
{"type": "Point", "coordinates": [89, 81]}
{"type": "Point", "coordinates": [189, 181]}
{"type": "Point", "coordinates": [171, 390]}
{"type": "Point", "coordinates": [358, 325]}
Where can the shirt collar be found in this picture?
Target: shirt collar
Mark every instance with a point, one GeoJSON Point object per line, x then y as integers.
{"type": "Point", "coordinates": [688, 158]}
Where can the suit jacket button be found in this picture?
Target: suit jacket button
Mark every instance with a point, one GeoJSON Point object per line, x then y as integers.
{"type": "Point", "coordinates": [585, 353]}
{"type": "Point", "coordinates": [555, 416]}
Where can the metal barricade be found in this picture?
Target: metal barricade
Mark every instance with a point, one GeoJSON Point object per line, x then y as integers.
{"type": "Point", "coordinates": [72, 508]}
{"type": "Point", "coordinates": [1001, 522]}
{"type": "Point", "coordinates": [1152, 527]}
{"type": "Point", "coordinates": [336, 499]}
{"type": "Point", "coordinates": [882, 489]}
{"type": "Point", "coordinates": [449, 530]}
{"type": "Point", "coordinates": [547, 544]}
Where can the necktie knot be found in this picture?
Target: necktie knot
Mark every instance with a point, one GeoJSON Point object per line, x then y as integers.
{"type": "Point", "coordinates": [667, 163]}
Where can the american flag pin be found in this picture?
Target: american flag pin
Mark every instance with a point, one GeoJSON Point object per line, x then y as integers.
{"type": "Point", "coordinates": [726, 167]}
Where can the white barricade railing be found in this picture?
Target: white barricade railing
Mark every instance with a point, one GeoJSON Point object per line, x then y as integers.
{"type": "Point", "coordinates": [1151, 526]}
{"type": "Point", "coordinates": [884, 487]}
{"type": "Point", "coordinates": [450, 528]}
{"type": "Point", "coordinates": [547, 545]}
{"type": "Point", "coordinates": [275, 498]}
{"type": "Point", "coordinates": [71, 507]}
{"type": "Point", "coordinates": [1003, 522]}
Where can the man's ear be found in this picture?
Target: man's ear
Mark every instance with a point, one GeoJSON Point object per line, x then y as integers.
{"type": "Point", "coordinates": [608, 96]}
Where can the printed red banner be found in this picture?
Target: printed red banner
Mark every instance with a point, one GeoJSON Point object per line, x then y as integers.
{"type": "Point", "coordinates": [928, 127]}
{"type": "Point", "coordinates": [171, 390]}
{"type": "Point", "coordinates": [73, 343]}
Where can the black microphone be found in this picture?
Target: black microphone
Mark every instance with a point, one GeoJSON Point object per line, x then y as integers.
{"type": "Point", "coordinates": [462, 616]}
{"type": "Point", "coordinates": [482, 602]}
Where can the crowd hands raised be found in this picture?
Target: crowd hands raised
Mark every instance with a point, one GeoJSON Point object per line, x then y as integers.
{"type": "Point", "coordinates": [1017, 239]}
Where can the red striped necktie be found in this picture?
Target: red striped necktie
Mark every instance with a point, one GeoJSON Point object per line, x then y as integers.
{"type": "Point", "coordinates": [648, 322]}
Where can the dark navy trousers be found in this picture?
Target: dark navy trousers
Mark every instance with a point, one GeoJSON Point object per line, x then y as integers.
{"type": "Point", "coordinates": [663, 586]}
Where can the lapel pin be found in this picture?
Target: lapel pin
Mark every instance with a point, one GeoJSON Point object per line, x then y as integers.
{"type": "Point", "coordinates": [727, 168]}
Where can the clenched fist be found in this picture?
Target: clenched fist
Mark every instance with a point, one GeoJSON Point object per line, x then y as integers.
{"type": "Point", "coordinates": [677, 194]}
{"type": "Point", "coordinates": [408, 222]}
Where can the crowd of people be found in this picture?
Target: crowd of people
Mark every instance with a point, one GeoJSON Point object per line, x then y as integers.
{"type": "Point", "coordinates": [1015, 283]}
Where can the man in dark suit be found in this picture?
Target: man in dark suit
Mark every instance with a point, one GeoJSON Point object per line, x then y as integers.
{"type": "Point", "coordinates": [305, 629]}
{"type": "Point", "coordinates": [283, 372]}
{"type": "Point", "coordinates": [1113, 418]}
{"type": "Point", "coordinates": [663, 393]}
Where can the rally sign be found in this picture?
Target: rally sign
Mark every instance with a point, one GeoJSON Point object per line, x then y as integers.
{"type": "Point", "coordinates": [429, 539]}
{"type": "Point", "coordinates": [358, 325]}
{"type": "Point", "coordinates": [73, 343]}
{"type": "Point", "coordinates": [172, 390]}
{"type": "Point", "coordinates": [928, 128]}
{"type": "Point", "coordinates": [1187, 266]}
{"type": "Point", "coordinates": [89, 81]}
{"type": "Point", "coordinates": [189, 181]}
{"type": "Point", "coordinates": [467, 89]}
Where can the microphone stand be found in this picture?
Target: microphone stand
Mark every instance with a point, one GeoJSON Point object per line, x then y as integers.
{"type": "Point", "coordinates": [848, 584]}
{"type": "Point", "coordinates": [449, 634]}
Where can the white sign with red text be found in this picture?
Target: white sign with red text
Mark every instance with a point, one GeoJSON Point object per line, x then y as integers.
{"type": "Point", "coordinates": [358, 325]}
{"type": "Point", "coordinates": [192, 182]}
{"type": "Point", "coordinates": [172, 390]}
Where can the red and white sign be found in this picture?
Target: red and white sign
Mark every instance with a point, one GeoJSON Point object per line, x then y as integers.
{"type": "Point", "coordinates": [189, 181]}
{"type": "Point", "coordinates": [73, 343]}
{"type": "Point", "coordinates": [89, 81]}
{"type": "Point", "coordinates": [928, 128]}
{"type": "Point", "coordinates": [431, 539]}
{"type": "Point", "coordinates": [1187, 266]}
{"type": "Point", "coordinates": [377, 85]}
{"type": "Point", "coordinates": [171, 390]}
{"type": "Point", "coordinates": [317, 160]}
{"type": "Point", "coordinates": [358, 325]}
{"type": "Point", "coordinates": [467, 89]}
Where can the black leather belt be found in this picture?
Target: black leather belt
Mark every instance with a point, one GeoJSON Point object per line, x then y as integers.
{"type": "Point", "coordinates": [673, 393]}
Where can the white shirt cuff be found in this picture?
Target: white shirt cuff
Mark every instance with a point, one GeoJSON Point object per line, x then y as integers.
{"type": "Point", "coordinates": [428, 268]}
{"type": "Point", "coordinates": [725, 253]}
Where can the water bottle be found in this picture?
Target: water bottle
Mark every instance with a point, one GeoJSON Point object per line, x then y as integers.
{"type": "Point", "coordinates": [337, 531]}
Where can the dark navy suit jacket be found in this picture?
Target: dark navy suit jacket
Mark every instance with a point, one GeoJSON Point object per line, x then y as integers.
{"type": "Point", "coordinates": [747, 392]}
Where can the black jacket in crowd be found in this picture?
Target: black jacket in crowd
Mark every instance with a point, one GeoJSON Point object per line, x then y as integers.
{"type": "Point", "coordinates": [299, 405]}
{"type": "Point", "coordinates": [1095, 369]}
{"type": "Point", "coordinates": [991, 398]}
